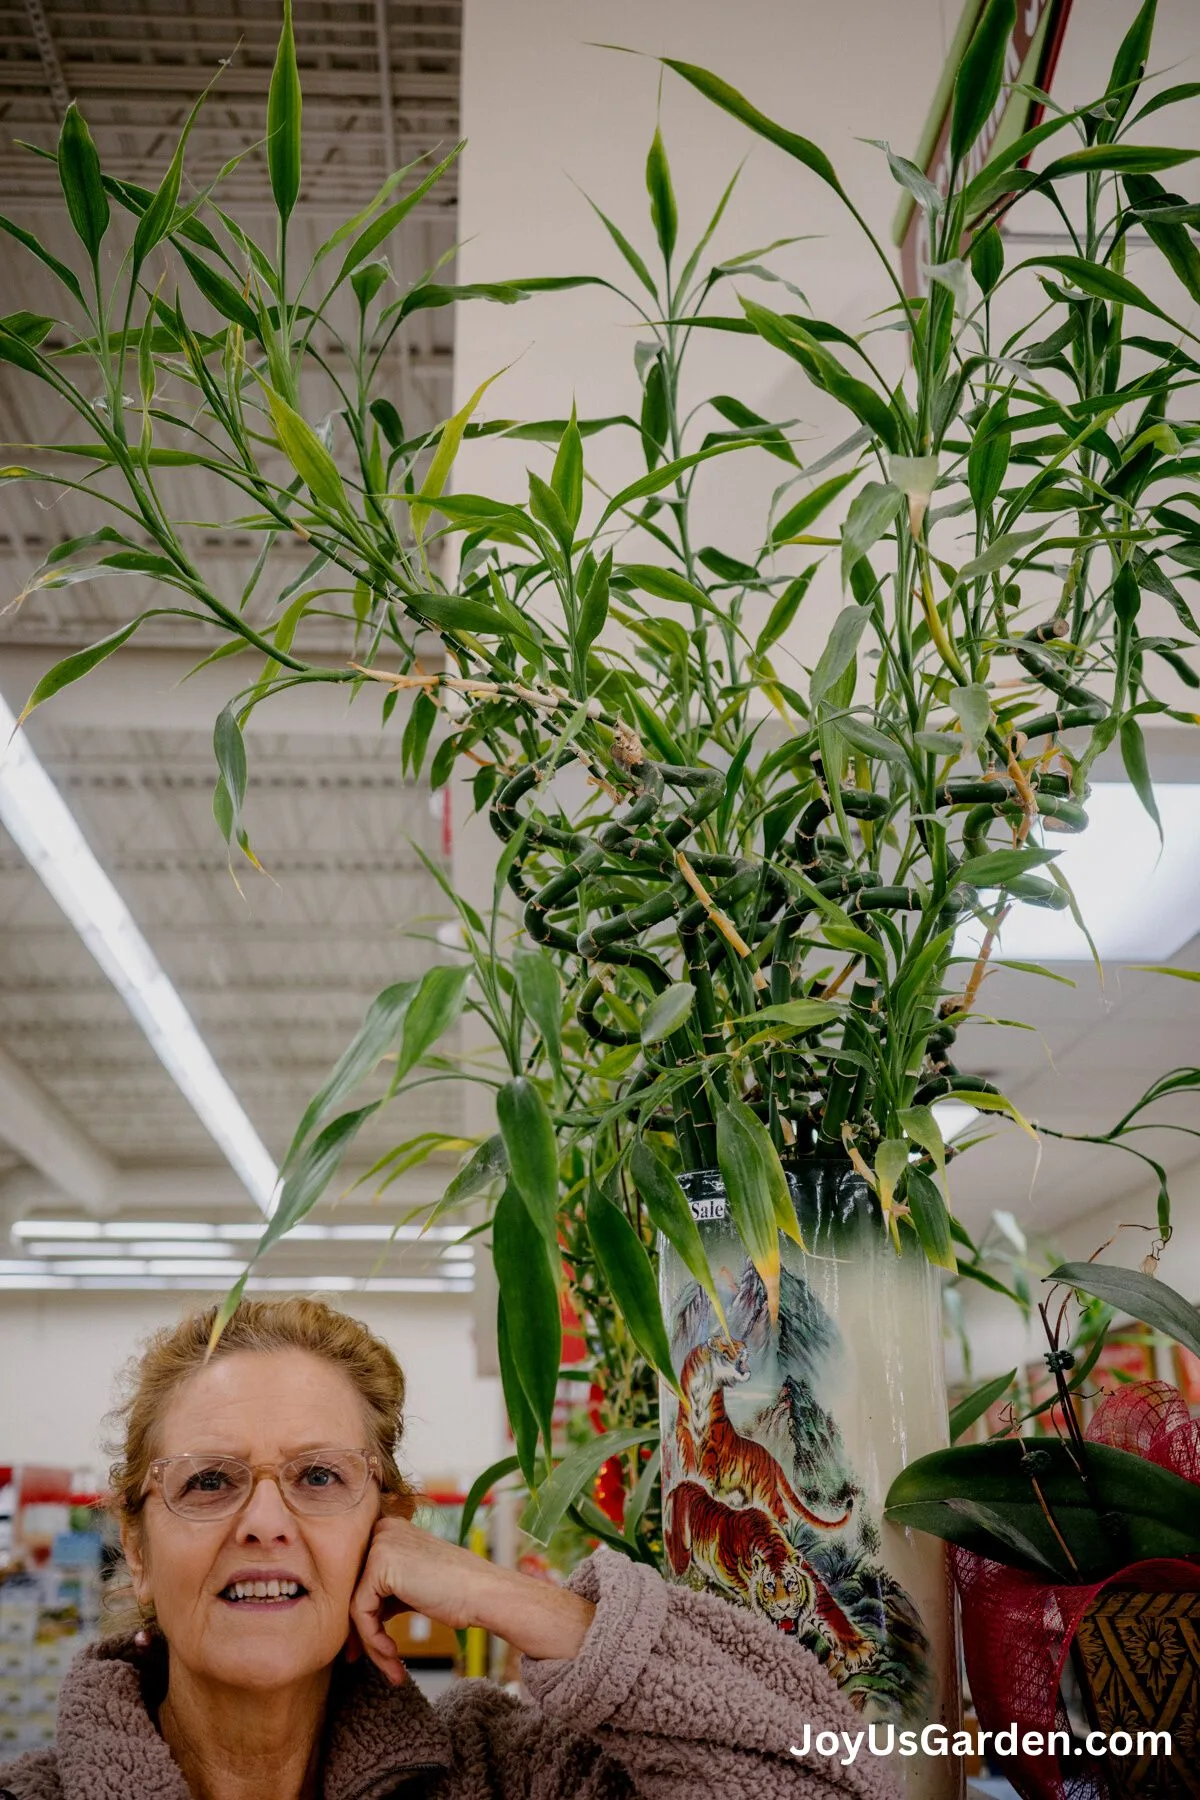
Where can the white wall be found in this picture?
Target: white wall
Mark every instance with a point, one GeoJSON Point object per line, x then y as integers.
{"type": "Point", "coordinates": [61, 1357]}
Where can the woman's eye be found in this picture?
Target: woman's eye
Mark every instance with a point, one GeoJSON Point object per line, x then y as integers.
{"type": "Point", "coordinates": [320, 1475]}
{"type": "Point", "coordinates": [206, 1481]}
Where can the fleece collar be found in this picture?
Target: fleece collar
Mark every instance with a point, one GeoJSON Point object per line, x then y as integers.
{"type": "Point", "coordinates": [377, 1736]}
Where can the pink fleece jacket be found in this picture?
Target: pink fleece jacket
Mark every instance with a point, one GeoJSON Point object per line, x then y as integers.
{"type": "Point", "coordinates": [673, 1695]}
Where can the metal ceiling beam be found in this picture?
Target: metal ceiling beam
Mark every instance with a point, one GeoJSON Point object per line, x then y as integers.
{"type": "Point", "coordinates": [41, 1132]}
{"type": "Point", "coordinates": [55, 81]}
{"type": "Point", "coordinates": [148, 690]}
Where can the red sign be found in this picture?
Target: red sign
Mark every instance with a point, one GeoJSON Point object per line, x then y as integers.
{"type": "Point", "coordinates": [1031, 16]}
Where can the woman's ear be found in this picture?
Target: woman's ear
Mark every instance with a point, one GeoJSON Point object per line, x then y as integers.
{"type": "Point", "coordinates": [133, 1550]}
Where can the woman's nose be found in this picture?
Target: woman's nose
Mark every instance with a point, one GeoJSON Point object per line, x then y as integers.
{"type": "Point", "coordinates": [265, 1516]}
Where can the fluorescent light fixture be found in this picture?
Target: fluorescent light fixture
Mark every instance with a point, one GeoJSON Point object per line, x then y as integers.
{"type": "Point", "coordinates": [41, 824]}
{"type": "Point", "coordinates": [236, 1232]}
{"type": "Point", "coordinates": [47, 1279]}
{"type": "Point", "coordinates": [953, 1117]}
{"type": "Point", "coordinates": [1139, 904]}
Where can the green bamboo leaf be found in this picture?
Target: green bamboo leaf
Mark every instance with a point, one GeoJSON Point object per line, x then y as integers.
{"type": "Point", "coordinates": [516, 1404]}
{"type": "Point", "coordinates": [871, 512]}
{"type": "Point", "coordinates": [1102, 283]}
{"type": "Point", "coordinates": [922, 1127]}
{"type": "Point", "coordinates": [547, 509]}
{"type": "Point", "coordinates": [974, 1405]}
{"type": "Point", "coordinates": [229, 748]}
{"type": "Point", "coordinates": [220, 292]}
{"type": "Point", "coordinates": [1139, 1296]}
{"type": "Point", "coordinates": [977, 84]}
{"type": "Point", "coordinates": [996, 868]}
{"type": "Point", "coordinates": [1002, 550]}
{"type": "Point", "coordinates": [528, 1132]}
{"type": "Point", "coordinates": [805, 512]}
{"type": "Point", "coordinates": [840, 649]}
{"type": "Point", "coordinates": [443, 458]}
{"type": "Point", "coordinates": [798, 341]}
{"type": "Point", "coordinates": [567, 479]}
{"type": "Point", "coordinates": [450, 613]}
{"type": "Point", "coordinates": [917, 183]}
{"type": "Point", "coordinates": [1172, 238]}
{"type": "Point", "coordinates": [58, 269]}
{"type": "Point", "coordinates": [386, 223]}
{"type": "Point", "coordinates": [667, 1012]}
{"type": "Point", "coordinates": [307, 455]}
{"type": "Point", "coordinates": [996, 1103]}
{"type": "Point", "coordinates": [629, 1279]}
{"type": "Point", "coordinates": [434, 1008]}
{"type": "Point", "coordinates": [487, 1165]}
{"type": "Point", "coordinates": [972, 707]}
{"type": "Point", "coordinates": [576, 1472]}
{"type": "Point", "coordinates": [667, 584]}
{"type": "Point", "coordinates": [663, 212]}
{"type": "Point", "coordinates": [374, 1038]}
{"type": "Point", "coordinates": [529, 1290]}
{"type": "Point", "coordinates": [541, 996]}
{"type": "Point", "coordinates": [721, 94]}
{"type": "Point", "coordinates": [784, 610]}
{"type": "Point", "coordinates": [625, 247]}
{"type": "Point", "coordinates": [1129, 66]}
{"type": "Point", "coordinates": [283, 121]}
{"type": "Point", "coordinates": [797, 1015]}
{"type": "Point", "coordinates": [657, 479]}
{"type": "Point", "coordinates": [747, 1189]}
{"type": "Point", "coordinates": [311, 1172]}
{"type": "Point", "coordinates": [987, 460]}
{"type": "Point", "coordinates": [479, 1490]}
{"type": "Point", "coordinates": [79, 663]}
{"type": "Point", "coordinates": [930, 1217]}
{"type": "Point", "coordinates": [159, 217]}
{"type": "Point", "coordinates": [1137, 767]}
{"type": "Point", "coordinates": [987, 258]}
{"type": "Point", "coordinates": [670, 1214]}
{"type": "Point", "coordinates": [593, 607]}
{"type": "Point", "coordinates": [82, 186]}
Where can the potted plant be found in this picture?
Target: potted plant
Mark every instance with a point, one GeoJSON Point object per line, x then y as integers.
{"type": "Point", "coordinates": [1081, 1549]}
{"type": "Point", "coordinates": [742, 860]}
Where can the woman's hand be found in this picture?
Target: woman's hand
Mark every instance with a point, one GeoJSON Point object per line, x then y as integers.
{"type": "Point", "coordinates": [410, 1570]}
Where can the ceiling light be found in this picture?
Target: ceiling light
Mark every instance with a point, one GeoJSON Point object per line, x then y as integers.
{"type": "Point", "coordinates": [209, 1237]}
{"type": "Point", "coordinates": [1138, 902]}
{"type": "Point", "coordinates": [23, 1276]}
{"type": "Point", "coordinates": [44, 830]}
{"type": "Point", "coordinates": [144, 1228]}
{"type": "Point", "coordinates": [953, 1117]}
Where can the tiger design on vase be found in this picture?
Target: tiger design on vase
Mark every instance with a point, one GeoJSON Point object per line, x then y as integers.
{"type": "Point", "coordinates": [743, 1551]}
{"type": "Point", "coordinates": [735, 1468]}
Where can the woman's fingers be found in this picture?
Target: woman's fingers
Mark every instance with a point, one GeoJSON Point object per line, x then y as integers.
{"type": "Point", "coordinates": [369, 1607]}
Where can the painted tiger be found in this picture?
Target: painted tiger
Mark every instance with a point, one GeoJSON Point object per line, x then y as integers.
{"type": "Point", "coordinates": [712, 1447]}
{"type": "Point", "coordinates": [741, 1550]}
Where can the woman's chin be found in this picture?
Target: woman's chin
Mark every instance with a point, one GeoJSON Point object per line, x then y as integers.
{"type": "Point", "coordinates": [264, 1655]}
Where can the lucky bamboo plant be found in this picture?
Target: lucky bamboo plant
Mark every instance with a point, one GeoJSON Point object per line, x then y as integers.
{"type": "Point", "coordinates": [741, 859]}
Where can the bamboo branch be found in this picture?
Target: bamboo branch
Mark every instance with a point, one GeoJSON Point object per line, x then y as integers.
{"type": "Point", "coordinates": [726, 927]}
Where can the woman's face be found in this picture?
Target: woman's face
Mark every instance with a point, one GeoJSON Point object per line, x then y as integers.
{"type": "Point", "coordinates": [263, 1408]}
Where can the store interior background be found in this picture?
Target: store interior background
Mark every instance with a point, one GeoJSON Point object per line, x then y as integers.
{"type": "Point", "coordinates": [92, 1127]}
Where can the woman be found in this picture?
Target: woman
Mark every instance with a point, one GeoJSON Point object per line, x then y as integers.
{"type": "Point", "coordinates": [267, 1533]}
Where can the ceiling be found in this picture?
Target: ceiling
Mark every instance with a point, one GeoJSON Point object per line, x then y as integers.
{"type": "Point", "coordinates": [276, 970]}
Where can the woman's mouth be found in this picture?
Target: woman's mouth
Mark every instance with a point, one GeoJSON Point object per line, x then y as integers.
{"type": "Point", "coordinates": [283, 1592]}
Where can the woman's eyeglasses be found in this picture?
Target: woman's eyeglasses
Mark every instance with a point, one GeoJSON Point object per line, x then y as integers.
{"type": "Point", "coordinates": [320, 1482]}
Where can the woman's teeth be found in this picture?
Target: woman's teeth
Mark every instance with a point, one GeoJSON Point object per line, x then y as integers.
{"type": "Point", "coordinates": [262, 1590]}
